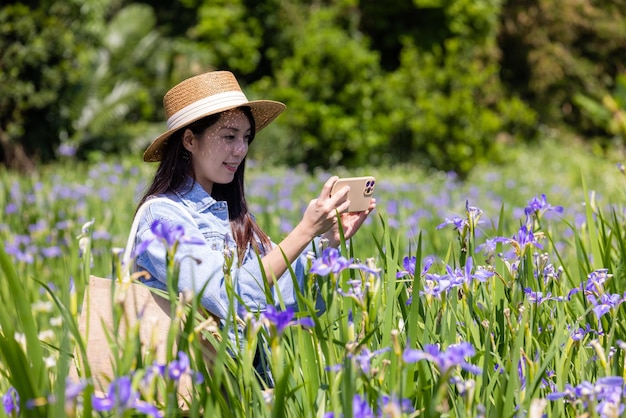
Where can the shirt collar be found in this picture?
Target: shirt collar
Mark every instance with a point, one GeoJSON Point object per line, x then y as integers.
{"type": "Point", "coordinates": [194, 196]}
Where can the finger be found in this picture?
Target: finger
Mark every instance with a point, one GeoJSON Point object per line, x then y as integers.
{"type": "Point", "coordinates": [340, 197]}
{"type": "Point", "coordinates": [339, 200]}
{"type": "Point", "coordinates": [328, 186]}
{"type": "Point", "coordinates": [343, 207]}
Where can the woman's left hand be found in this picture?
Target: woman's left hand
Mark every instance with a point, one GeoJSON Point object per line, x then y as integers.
{"type": "Point", "coordinates": [350, 222]}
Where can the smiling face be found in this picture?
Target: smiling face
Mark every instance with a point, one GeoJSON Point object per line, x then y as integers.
{"type": "Point", "coordinates": [217, 152]}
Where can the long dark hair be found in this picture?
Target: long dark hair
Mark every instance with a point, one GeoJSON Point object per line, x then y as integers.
{"type": "Point", "coordinates": [176, 166]}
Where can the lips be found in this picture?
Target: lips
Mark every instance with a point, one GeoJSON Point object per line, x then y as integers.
{"type": "Point", "coordinates": [231, 167]}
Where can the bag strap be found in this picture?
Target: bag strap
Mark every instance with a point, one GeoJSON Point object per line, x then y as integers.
{"type": "Point", "coordinates": [130, 244]}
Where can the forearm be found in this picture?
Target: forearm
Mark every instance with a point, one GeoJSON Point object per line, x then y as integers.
{"type": "Point", "coordinates": [277, 261]}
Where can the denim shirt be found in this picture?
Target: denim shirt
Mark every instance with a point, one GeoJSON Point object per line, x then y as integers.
{"type": "Point", "coordinates": [202, 263]}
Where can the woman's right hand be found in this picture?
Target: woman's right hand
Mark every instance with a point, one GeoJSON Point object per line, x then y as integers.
{"type": "Point", "coordinates": [319, 217]}
{"type": "Point", "coordinates": [321, 213]}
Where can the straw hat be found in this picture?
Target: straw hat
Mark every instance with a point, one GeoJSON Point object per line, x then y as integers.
{"type": "Point", "coordinates": [205, 95]}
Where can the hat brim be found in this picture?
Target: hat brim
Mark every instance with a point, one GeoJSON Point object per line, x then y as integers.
{"type": "Point", "coordinates": [263, 111]}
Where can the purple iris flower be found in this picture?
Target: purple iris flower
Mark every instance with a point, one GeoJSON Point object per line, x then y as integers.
{"type": "Point", "coordinates": [409, 263]}
{"type": "Point", "coordinates": [152, 371]}
{"type": "Point", "coordinates": [482, 275]}
{"type": "Point", "coordinates": [520, 241]}
{"type": "Point", "coordinates": [573, 292]}
{"type": "Point", "coordinates": [392, 406]}
{"type": "Point", "coordinates": [51, 252]}
{"type": "Point", "coordinates": [458, 277]}
{"type": "Point", "coordinates": [360, 407]}
{"type": "Point", "coordinates": [538, 297]}
{"type": "Point", "coordinates": [436, 284]}
{"type": "Point", "coordinates": [170, 235]}
{"type": "Point", "coordinates": [22, 248]}
{"type": "Point", "coordinates": [488, 247]}
{"type": "Point", "coordinates": [473, 215]}
{"type": "Point", "coordinates": [10, 209]}
{"type": "Point", "coordinates": [594, 284]}
{"type": "Point", "coordinates": [11, 402]}
{"type": "Point", "coordinates": [607, 392]}
{"type": "Point", "coordinates": [444, 360]}
{"type": "Point", "coordinates": [580, 333]}
{"type": "Point", "coordinates": [364, 358]}
{"type": "Point", "coordinates": [596, 280]}
{"type": "Point", "coordinates": [525, 237]}
{"type": "Point", "coordinates": [550, 273]}
{"type": "Point", "coordinates": [121, 397]}
{"type": "Point", "coordinates": [409, 267]}
{"type": "Point", "coordinates": [177, 368]}
{"type": "Point", "coordinates": [283, 319]}
{"type": "Point", "coordinates": [101, 235]}
{"type": "Point", "coordinates": [146, 408]}
{"type": "Point", "coordinates": [72, 390]}
{"type": "Point", "coordinates": [428, 261]}
{"type": "Point", "coordinates": [332, 261]}
{"type": "Point", "coordinates": [605, 303]}
{"type": "Point", "coordinates": [539, 205]}
{"type": "Point", "coordinates": [355, 291]}
{"type": "Point", "coordinates": [456, 221]}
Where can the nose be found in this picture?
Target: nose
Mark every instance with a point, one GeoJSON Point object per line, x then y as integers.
{"type": "Point", "coordinates": [241, 147]}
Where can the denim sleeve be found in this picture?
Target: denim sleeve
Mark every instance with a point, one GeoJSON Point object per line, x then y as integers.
{"type": "Point", "coordinates": [201, 266]}
{"type": "Point", "coordinates": [250, 281]}
{"type": "Point", "coordinates": [287, 288]}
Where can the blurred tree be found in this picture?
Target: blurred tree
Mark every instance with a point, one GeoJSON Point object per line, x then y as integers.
{"type": "Point", "coordinates": [329, 78]}
{"type": "Point", "coordinates": [116, 101]}
{"type": "Point", "coordinates": [440, 103]}
{"type": "Point", "coordinates": [79, 76]}
{"type": "Point", "coordinates": [445, 103]}
{"type": "Point", "coordinates": [607, 113]}
{"type": "Point", "coordinates": [389, 23]}
{"type": "Point", "coordinates": [553, 50]}
{"type": "Point", "coordinates": [215, 34]}
{"type": "Point", "coordinates": [365, 82]}
{"type": "Point", "coordinates": [39, 62]}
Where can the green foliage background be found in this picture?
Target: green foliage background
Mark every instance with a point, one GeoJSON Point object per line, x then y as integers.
{"type": "Point", "coordinates": [445, 84]}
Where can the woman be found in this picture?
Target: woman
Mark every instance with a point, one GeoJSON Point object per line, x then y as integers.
{"type": "Point", "coordinates": [202, 163]}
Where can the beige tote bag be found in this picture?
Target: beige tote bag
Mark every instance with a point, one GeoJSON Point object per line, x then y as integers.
{"type": "Point", "coordinates": [96, 318]}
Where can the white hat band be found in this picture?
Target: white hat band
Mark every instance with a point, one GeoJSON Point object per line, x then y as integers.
{"type": "Point", "coordinates": [205, 106]}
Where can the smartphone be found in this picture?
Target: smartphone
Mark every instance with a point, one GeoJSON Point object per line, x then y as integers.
{"type": "Point", "coordinates": [361, 191]}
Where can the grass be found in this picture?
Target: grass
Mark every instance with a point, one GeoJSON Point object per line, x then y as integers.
{"type": "Point", "coordinates": [500, 335]}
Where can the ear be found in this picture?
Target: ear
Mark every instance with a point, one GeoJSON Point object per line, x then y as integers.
{"type": "Point", "coordinates": [189, 140]}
